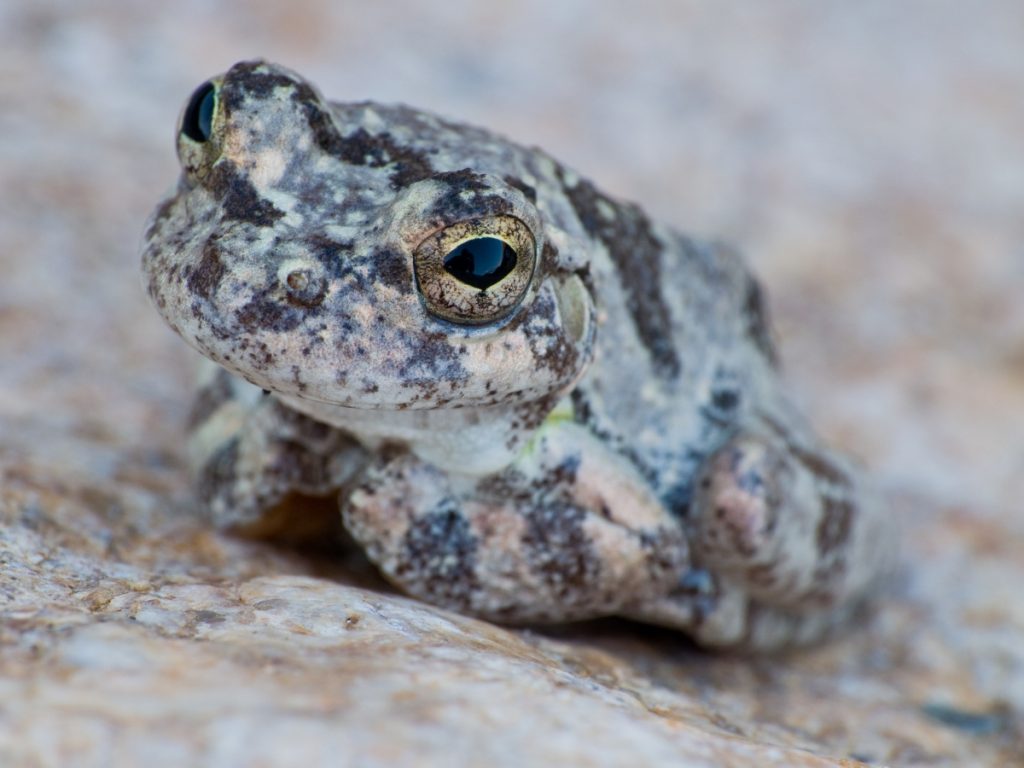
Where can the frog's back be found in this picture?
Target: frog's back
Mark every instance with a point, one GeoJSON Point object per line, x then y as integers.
{"type": "Point", "coordinates": [684, 347]}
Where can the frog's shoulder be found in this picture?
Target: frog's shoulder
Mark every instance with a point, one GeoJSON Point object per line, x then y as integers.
{"type": "Point", "coordinates": [671, 287]}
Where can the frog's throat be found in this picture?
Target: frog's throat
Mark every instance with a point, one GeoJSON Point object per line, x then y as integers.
{"type": "Point", "coordinates": [471, 441]}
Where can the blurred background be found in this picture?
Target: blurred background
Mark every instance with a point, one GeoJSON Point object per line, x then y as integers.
{"type": "Point", "coordinates": [867, 157]}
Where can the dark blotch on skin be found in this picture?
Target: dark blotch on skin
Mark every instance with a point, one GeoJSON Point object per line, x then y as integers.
{"type": "Point", "coordinates": [439, 556]}
{"type": "Point", "coordinates": [724, 400]}
{"type": "Point", "coordinates": [528, 192]}
{"type": "Point", "coordinates": [636, 253]}
{"type": "Point", "coordinates": [463, 180]}
{"type": "Point", "coordinates": [555, 541]}
{"type": "Point", "coordinates": [554, 352]}
{"type": "Point", "coordinates": [209, 398]}
{"type": "Point", "coordinates": [549, 258]}
{"type": "Point", "coordinates": [820, 466]}
{"type": "Point", "coordinates": [456, 204]}
{"type": "Point", "coordinates": [755, 312]}
{"type": "Point", "coordinates": [559, 549]}
{"type": "Point", "coordinates": [392, 268]}
{"type": "Point", "coordinates": [218, 475]}
{"type": "Point", "coordinates": [815, 463]}
{"type": "Point", "coordinates": [363, 148]}
{"type": "Point", "coordinates": [838, 511]}
{"type": "Point", "coordinates": [433, 360]}
{"type": "Point", "coordinates": [245, 79]}
{"type": "Point", "coordinates": [263, 313]}
{"type": "Point", "coordinates": [700, 589]}
{"type": "Point", "coordinates": [239, 198]}
{"type": "Point", "coordinates": [582, 411]}
{"type": "Point", "coordinates": [564, 474]}
{"type": "Point", "coordinates": [835, 524]}
{"type": "Point", "coordinates": [293, 464]}
{"type": "Point", "coordinates": [207, 274]}
{"type": "Point", "coordinates": [158, 216]}
{"type": "Point", "coordinates": [676, 499]}
{"type": "Point", "coordinates": [325, 133]}
{"type": "Point", "coordinates": [333, 254]}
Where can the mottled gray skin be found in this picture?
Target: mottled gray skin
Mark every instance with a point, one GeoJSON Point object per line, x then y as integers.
{"type": "Point", "coordinates": [605, 434]}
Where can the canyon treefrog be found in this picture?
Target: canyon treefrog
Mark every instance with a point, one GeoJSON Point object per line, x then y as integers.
{"type": "Point", "coordinates": [531, 402]}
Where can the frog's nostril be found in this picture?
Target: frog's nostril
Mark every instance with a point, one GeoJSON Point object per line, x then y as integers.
{"type": "Point", "coordinates": [197, 122]}
{"type": "Point", "coordinates": [304, 288]}
{"type": "Point", "coordinates": [298, 280]}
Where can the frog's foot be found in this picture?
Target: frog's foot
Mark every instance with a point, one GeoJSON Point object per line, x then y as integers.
{"type": "Point", "coordinates": [719, 614]}
{"type": "Point", "coordinates": [564, 533]}
{"type": "Point", "coordinates": [786, 543]}
{"type": "Point", "coordinates": [259, 465]}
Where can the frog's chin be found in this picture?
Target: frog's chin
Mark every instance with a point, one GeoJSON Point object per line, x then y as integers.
{"type": "Point", "coordinates": [466, 440]}
{"type": "Point", "coordinates": [305, 401]}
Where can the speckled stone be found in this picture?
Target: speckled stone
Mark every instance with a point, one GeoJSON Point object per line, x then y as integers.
{"type": "Point", "coordinates": [867, 159]}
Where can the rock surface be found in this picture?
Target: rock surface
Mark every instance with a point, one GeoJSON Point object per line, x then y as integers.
{"type": "Point", "coordinates": [868, 157]}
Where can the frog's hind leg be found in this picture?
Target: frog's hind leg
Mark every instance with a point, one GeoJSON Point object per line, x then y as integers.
{"type": "Point", "coordinates": [568, 531]}
{"type": "Point", "coordinates": [261, 468]}
{"type": "Point", "coordinates": [786, 541]}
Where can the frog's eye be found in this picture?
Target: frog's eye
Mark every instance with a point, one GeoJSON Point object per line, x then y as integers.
{"type": "Point", "coordinates": [481, 262]}
{"type": "Point", "coordinates": [197, 122]}
{"type": "Point", "coordinates": [476, 271]}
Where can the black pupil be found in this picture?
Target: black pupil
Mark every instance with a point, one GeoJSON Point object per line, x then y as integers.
{"type": "Point", "coordinates": [481, 262]}
{"type": "Point", "coordinates": [198, 121]}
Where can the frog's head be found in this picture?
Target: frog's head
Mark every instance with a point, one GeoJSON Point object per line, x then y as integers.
{"type": "Point", "coordinates": [362, 256]}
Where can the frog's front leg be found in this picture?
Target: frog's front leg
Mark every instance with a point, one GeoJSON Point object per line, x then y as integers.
{"type": "Point", "coordinates": [786, 542]}
{"type": "Point", "coordinates": [252, 457]}
{"type": "Point", "coordinates": [568, 531]}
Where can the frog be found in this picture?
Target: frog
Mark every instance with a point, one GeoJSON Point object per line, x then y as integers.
{"type": "Point", "coordinates": [524, 399]}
